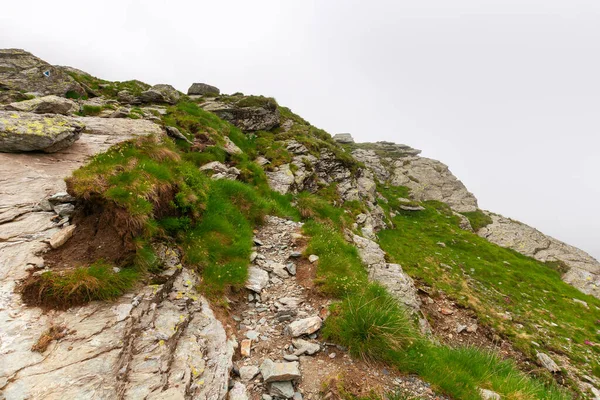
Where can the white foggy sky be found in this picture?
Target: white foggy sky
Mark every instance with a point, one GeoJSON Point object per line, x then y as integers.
{"type": "Point", "coordinates": [507, 93]}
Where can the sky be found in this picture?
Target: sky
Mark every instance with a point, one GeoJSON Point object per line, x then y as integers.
{"type": "Point", "coordinates": [506, 93]}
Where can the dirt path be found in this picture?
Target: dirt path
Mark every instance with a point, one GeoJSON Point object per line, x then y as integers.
{"type": "Point", "coordinates": [263, 319]}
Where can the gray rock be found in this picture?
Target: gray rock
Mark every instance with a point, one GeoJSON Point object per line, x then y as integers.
{"type": "Point", "coordinates": [64, 209]}
{"type": "Point", "coordinates": [290, 357]}
{"type": "Point", "coordinates": [305, 347]}
{"type": "Point", "coordinates": [23, 72]}
{"type": "Point", "coordinates": [257, 279]}
{"type": "Point", "coordinates": [279, 372]}
{"type": "Point", "coordinates": [489, 395]}
{"type": "Point", "coordinates": [304, 326]}
{"type": "Point", "coordinates": [280, 270]}
{"type": "Point", "coordinates": [201, 89]}
{"type": "Point", "coordinates": [291, 268]}
{"type": "Point", "coordinates": [313, 258]}
{"type": "Point", "coordinates": [247, 373]}
{"type": "Point", "coordinates": [160, 93]}
{"type": "Point", "coordinates": [61, 237]}
{"type": "Point", "coordinates": [411, 208]}
{"type": "Point", "coordinates": [45, 105]}
{"type": "Point", "coordinates": [281, 179]}
{"type": "Point", "coordinates": [230, 147]}
{"type": "Point", "coordinates": [237, 392]}
{"type": "Point", "coordinates": [221, 171]}
{"type": "Point", "coordinates": [252, 335]}
{"type": "Point", "coordinates": [297, 396]}
{"type": "Point", "coordinates": [343, 138]}
{"type": "Point", "coordinates": [30, 132]}
{"type": "Point", "coordinates": [175, 133]}
{"type": "Point", "coordinates": [282, 390]}
{"type": "Point", "coordinates": [264, 116]}
{"type": "Point", "coordinates": [547, 362]}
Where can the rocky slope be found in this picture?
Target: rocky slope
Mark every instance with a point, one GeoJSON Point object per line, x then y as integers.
{"type": "Point", "coordinates": [163, 339]}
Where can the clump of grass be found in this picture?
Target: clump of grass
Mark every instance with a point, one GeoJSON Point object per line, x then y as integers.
{"type": "Point", "coordinates": [51, 334]}
{"type": "Point", "coordinates": [90, 110]}
{"type": "Point", "coordinates": [478, 219]}
{"type": "Point", "coordinates": [79, 286]}
{"type": "Point", "coordinates": [257, 101]}
{"type": "Point", "coordinates": [370, 324]}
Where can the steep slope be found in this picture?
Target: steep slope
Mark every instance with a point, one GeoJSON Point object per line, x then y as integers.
{"type": "Point", "coordinates": [297, 242]}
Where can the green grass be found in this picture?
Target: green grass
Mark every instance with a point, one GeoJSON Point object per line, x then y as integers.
{"type": "Point", "coordinates": [78, 286]}
{"type": "Point", "coordinates": [478, 219]}
{"type": "Point", "coordinates": [493, 281]}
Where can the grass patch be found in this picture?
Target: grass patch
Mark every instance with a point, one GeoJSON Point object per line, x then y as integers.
{"type": "Point", "coordinates": [522, 299]}
{"type": "Point", "coordinates": [478, 219]}
{"type": "Point", "coordinates": [75, 287]}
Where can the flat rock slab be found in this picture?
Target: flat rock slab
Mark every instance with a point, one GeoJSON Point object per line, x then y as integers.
{"type": "Point", "coordinates": [305, 326]}
{"type": "Point", "coordinates": [21, 131]}
{"type": "Point", "coordinates": [257, 279]}
{"type": "Point", "coordinates": [279, 371]}
{"type": "Point", "coordinates": [45, 105]}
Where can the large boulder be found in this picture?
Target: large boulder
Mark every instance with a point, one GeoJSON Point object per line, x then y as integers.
{"type": "Point", "coordinates": [160, 94]}
{"type": "Point", "coordinates": [22, 71]}
{"type": "Point", "coordinates": [344, 138]}
{"type": "Point", "coordinates": [249, 113]}
{"type": "Point", "coordinates": [201, 89]}
{"type": "Point", "coordinates": [45, 105]}
{"type": "Point", "coordinates": [33, 132]}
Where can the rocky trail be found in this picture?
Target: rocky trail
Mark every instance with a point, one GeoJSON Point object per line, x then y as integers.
{"type": "Point", "coordinates": [282, 354]}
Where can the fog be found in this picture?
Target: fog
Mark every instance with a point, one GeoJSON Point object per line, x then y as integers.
{"type": "Point", "coordinates": [507, 93]}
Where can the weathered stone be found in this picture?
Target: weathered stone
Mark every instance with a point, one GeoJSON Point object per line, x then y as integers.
{"type": "Point", "coordinates": [221, 171]}
{"type": "Point", "coordinates": [119, 129]}
{"type": "Point", "coordinates": [30, 132]}
{"type": "Point", "coordinates": [175, 133]}
{"type": "Point", "coordinates": [281, 179]}
{"type": "Point", "coordinates": [489, 395]}
{"type": "Point", "coordinates": [246, 347]}
{"type": "Point", "coordinates": [304, 326]}
{"type": "Point", "coordinates": [45, 105]}
{"type": "Point", "coordinates": [64, 209]}
{"type": "Point", "coordinates": [305, 347]}
{"type": "Point", "coordinates": [247, 373]}
{"type": "Point", "coordinates": [237, 392]}
{"type": "Point", "coordinates": [583, 270]}
{"type": "Point", "coordinates": [343, 138]}
{"type": "Point", "coordinates": [61, 237]}
{"type": "Point", "coordinates": [257, 279]}
{"type": "Point", "coordinates": [22, 71]}
{"type": "Point", "coordinates": [264, 116]}
{"type": "Point", "coordinates": [160, 93]}
{"type": "Point", "coordinates": [230, 147]}
{"type": "Point", "coordinates": [279, 372]}
{"type": "Point", "coordinates": [313, 258]}
{"type": "Point", "coordinates": [201, 89]}
{"type": "Point", "coordinates": [547, 362]}
{"type": "Point", "coordinates": [280, 270]}
{"type": "Point", "coordinates": [282, 389]}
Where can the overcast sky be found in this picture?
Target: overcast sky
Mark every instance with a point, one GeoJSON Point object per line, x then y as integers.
{"type": "Point", "coordinates": [507, 92]}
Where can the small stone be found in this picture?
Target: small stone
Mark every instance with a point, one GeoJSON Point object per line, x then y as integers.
{"type": "Point", "coordinates": [61, 237]}
{"type": "Point", "coordinates": [313, 258]}
{"type": "Point", "coordinates": [332, 355]}
{"type": "Point", "coordinates": [282, 389]}
{"type": "Point", "coordinates": [472, 328]}
{"type": "Point", "coordinates": [460, 328]}
{"type": "Point", "coordinates": [257, 241]}
{"type": "Point", "coordinates": [447, 311]}
{"type": "Point", "coordinates": [250, 297]}
{"type": "Point", "coordinates": [290, 357]}
{"type": "Point", "coordinates": [305, 326]}
{"type": "Point", "coordinates": [280, 270]}
{"type": "Point", "coordinates": [296, 254]}
{"type": "Point", "coordinates": [583, 303]}
{"type": "Point", "coordinates": [441, 244]}
{"type": "Point", "coordinates": [278, 372]}
{"type": "Point", "coordinates": [297, 396]}
{"type": "Point", "coordinates": [61, 197]}
{"type": "Point", "coordinates": [291, 268]}
{"type": "Point", "coordinates": [266, 397]}
{"type": "Point", "coordinates": [252, 335]}
{"type": "Point", "coordinates": [64, 209]}
{"type": "Point", "coordinates": [489, 395]}
{"type": "Point", "coordinates": [245, 347]}
{"type": "Point", "coordinates": [257, 279]}
{"type": "Point", "coordinates": [253, 256]}
{"type": "Point", "coordinates": [247, 373]}
{"type": "Point", "coordinates": [548, 363]}
{"type": "Point", "coordinates": [238, 392]}
{"type": "Point", "coordinates": [305, 347]}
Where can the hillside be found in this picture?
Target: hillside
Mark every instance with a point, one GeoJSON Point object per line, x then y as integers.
{"type": "Point", "coordinates": [162, 245]}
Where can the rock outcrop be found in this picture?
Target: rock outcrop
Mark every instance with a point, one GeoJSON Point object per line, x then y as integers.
{"type": "Point", "coordinates": [584, 270]}
{"type": "Point", "coordinates": [45, 105]}
{"type": "Point", "coordinates": [21, 71]}
{"type": "Point", "coordinates": [160, 93]}
{"type": "Point", "coordinates": [343, 138]}
{"type": "Point", "coordinates": [33, 132]}
{"type": "Point", "coordinates": [261, 115]}
{"type": "Point", "coordinates": [201, 89]}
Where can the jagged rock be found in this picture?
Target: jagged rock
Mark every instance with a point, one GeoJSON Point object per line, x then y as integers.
{"type": "Point", "coordinates": [248, 372]}
{"type": "Point", "coordinates": [61, 237]}
{"type": "Point", "coordinates": [126, 97]}
{"type": "Point", "coordinates": [584, 270]}
{"type": "Point", "coordinates": [230, 147]}
{"type": "Point", "coordinates": [399, 284]}
{"type": "Point", "coordinates": [175, 133]}
{"type": "Point", "coordinates": [160, 93]}
{"type": "Point", "coordinates": [547, 362]}
{"type": "Point", "coordinates": [343, 138]}
{"type": "Point", "coordinates": [257, 279]}
{"type": "Point", "coordinates": [280, 270]}
{"type": "Point", "coordinates": [201, 89]}
{"type": "Point", "coordinates": [237, 392]}
{"type": "Point", "coordinates": [280, 371]}
{"type": "Point", "coordinates": [22, 71]}
{"type": "Point", "coordinates": [281, 179]}
{"type": "Point", "coordinates": [45, 105]}
{"type": "Point", "coordinates": [304, 326]}
{"type": "Point", "coordinates": [255, 118]}
{"type": "Point", "coordinates": [282, 389]}
{"type": "Point", "coordinates": [305, 347]}
{"type": "Point", "coordinates": [30, 132]}
{"type": "Point", "coordinates": [489, 395]}
{"type": "Point", "coordinates": [221, 171]}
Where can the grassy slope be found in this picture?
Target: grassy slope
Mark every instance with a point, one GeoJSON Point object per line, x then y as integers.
{"type": "Point", "coordinates": [523, 299]}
